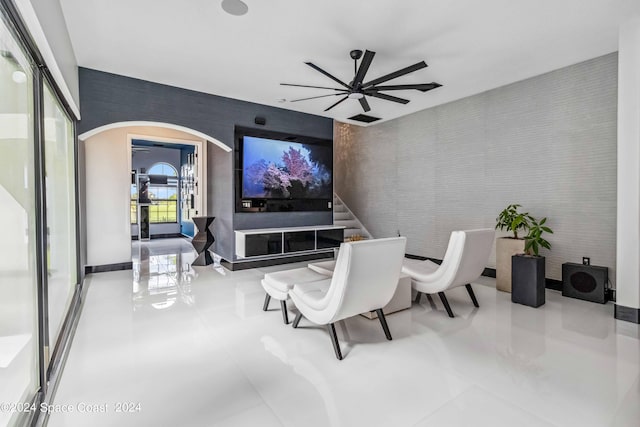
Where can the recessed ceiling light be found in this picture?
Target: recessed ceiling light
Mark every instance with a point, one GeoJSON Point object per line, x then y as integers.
{"type": "Point", "coordinates": [19, 76]}
{"type": "Point", "coordinates": [235, 7]}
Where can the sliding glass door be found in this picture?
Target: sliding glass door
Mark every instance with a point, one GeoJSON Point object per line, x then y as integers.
{"type": "Point", "coordinates": [19, 343]}
{"type": "Point", "coordinates": [61, 220]}
{"type": "Point", "coordinates": [38, 248]}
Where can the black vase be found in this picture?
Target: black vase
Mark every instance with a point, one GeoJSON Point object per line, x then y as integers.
{"type": "Point", "coordinates": [203, 240]}
{"type": "Point", "coordinates": [527, 280]}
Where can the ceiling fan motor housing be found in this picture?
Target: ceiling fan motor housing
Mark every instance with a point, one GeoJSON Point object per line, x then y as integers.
{"type": "Point", "coordinates": [356, 54]}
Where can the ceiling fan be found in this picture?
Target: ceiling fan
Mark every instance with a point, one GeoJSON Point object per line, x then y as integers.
{"type": "Point", "coordinates": [359, 89]}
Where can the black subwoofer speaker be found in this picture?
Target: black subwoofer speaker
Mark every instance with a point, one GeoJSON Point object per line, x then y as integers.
{"type": "Point", "coordinates": [587, 282]}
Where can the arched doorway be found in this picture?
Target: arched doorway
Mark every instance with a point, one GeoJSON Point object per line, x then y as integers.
{"type": "Point", "coordinates": [106, 190]}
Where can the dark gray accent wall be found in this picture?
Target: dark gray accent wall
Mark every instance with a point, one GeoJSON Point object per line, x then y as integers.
{"type": "Point", "coordinates": [547, 143]}
{"type": "Point", "coordinates": [109, 98]}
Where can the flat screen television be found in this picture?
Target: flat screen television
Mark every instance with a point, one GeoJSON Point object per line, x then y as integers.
{"type": "Point", "coordinates": [278, 172]}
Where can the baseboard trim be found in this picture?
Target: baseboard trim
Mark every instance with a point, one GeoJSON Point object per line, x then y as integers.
{"type": "Point", "coordinates": [628, 314]}
{"type": "Point", "coordinates": [489, 272]}
{"type": "Point", "coordinates": [245, 265]}
{"type": "Point", "coordinates": [163, 236]}
{"type": "Point", "coordinates": [90, 269]}
{"type": "Point", "coordinates": [556, 285]}
{"type": "Point", "coordinates": [552, 284]}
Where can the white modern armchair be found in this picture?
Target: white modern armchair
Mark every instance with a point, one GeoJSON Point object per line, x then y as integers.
{"type": "Point", "coordinates": [466, 257]}
{"type": "Point", "coordinates": [365, 278]}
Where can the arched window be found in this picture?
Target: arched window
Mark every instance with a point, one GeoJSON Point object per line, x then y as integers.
{"type": "Point", "coordinates": [163, 169]}
{"type": "Point", "coordinates": [163, 194]}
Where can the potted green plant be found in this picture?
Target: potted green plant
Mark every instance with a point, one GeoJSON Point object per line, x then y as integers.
{"type": "Point", "coordinates": [528, 269]}
{"type": "Point", "coordinates": [511, 220]}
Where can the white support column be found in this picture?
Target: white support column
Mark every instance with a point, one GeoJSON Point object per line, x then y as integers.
{"type": "Point", "coordinates": [628, 221]}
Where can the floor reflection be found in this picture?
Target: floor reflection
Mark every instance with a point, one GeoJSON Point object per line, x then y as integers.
{"type": "Point", "coordinates": [162, 273]}
{"type": "Point", "coordinates": [199, 338]}
{"type": "Point", "coordinates": [307, 370]}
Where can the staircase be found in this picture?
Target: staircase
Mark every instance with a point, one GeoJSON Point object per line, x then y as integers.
{"type": "Point", "coordinates": [342, 215]}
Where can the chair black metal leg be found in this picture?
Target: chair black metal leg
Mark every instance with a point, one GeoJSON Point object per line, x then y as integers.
{"type": "Point", "coordinates": [334, 340]}
{"type": "Point", "coordinates": [383, 322]}
{"type": "Point", "coordinates": [265, 306]}
{"type": "Point", "coordinates": [443, 298]}
{"type": "Point", "coordinates": [418, 295]}
{"type": "Point", "coordinates": [297, 320]}
{"type": "Point", "coordinates": [285, 316]}
{"type": "Point", "coordinates": [471, 294]}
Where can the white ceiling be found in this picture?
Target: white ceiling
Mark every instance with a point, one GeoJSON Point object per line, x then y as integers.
{"type": "Point", "coordinates": [471, 46]}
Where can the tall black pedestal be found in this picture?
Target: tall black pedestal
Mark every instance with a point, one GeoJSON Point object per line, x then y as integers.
{"type": "Point", "coordinates": [144, 231]}
{"type": "Point", "coordinates": [203, 239]}
{"type": "Point", "coordinates": [527, 280]}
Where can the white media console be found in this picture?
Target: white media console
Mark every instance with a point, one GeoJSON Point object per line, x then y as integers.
{"type": "Point", "coordinates": [276, 242]}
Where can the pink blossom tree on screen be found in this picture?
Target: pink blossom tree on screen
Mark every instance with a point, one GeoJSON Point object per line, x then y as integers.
{"type": "Point", "coordinates": [298, 167]}
{"type": "Point", "coordinates": [276, 180]}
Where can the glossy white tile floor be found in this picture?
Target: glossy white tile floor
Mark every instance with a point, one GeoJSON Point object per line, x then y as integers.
{"type": "Point", "coordinates": [194, 348]}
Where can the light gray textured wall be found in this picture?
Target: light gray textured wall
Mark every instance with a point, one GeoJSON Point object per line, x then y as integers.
{"type": "Point", "coordinates": [547, 143]}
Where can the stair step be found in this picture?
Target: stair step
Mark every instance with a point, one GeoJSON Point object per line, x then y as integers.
{"type": "Point", "coordinates": [339, 216]}
{"type": "Point", "coordinates": [349, 223]}
{"type": "Point", "coordinates": [342, 216]}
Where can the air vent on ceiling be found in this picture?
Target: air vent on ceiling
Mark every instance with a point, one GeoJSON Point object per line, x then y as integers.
{"type": "Point", "coordinates": [364, 118]}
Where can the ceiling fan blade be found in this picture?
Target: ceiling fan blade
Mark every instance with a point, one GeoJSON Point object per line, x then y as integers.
{"type": "Point", "coordinates": [320, 70]}
{"type": "Point", "coordinates": [315, 87]}
{"type": "Point", "coordinates": [410, 69]}
{"type": "Point", "coordinates": [314, 97]}
{"type": "Point", "coordinates": [386, 97]}
{"type": "Point", "coordinates": [365, 104]}
{"type": "Point", "coordinates": [421, 87]}
{"type": "Point", "coordinates": [342, 99]}
{"type": "Point", "coordinates": [364, 67]}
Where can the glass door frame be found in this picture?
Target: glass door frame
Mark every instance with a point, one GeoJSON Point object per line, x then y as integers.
{"type": "Point", "coordinates": [50, 360]}
{"type": "Point", "coordinates": [58, 348]}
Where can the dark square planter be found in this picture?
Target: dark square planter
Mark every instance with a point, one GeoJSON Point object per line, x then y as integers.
{"type": "Point", "coordinates": [527, 280]}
